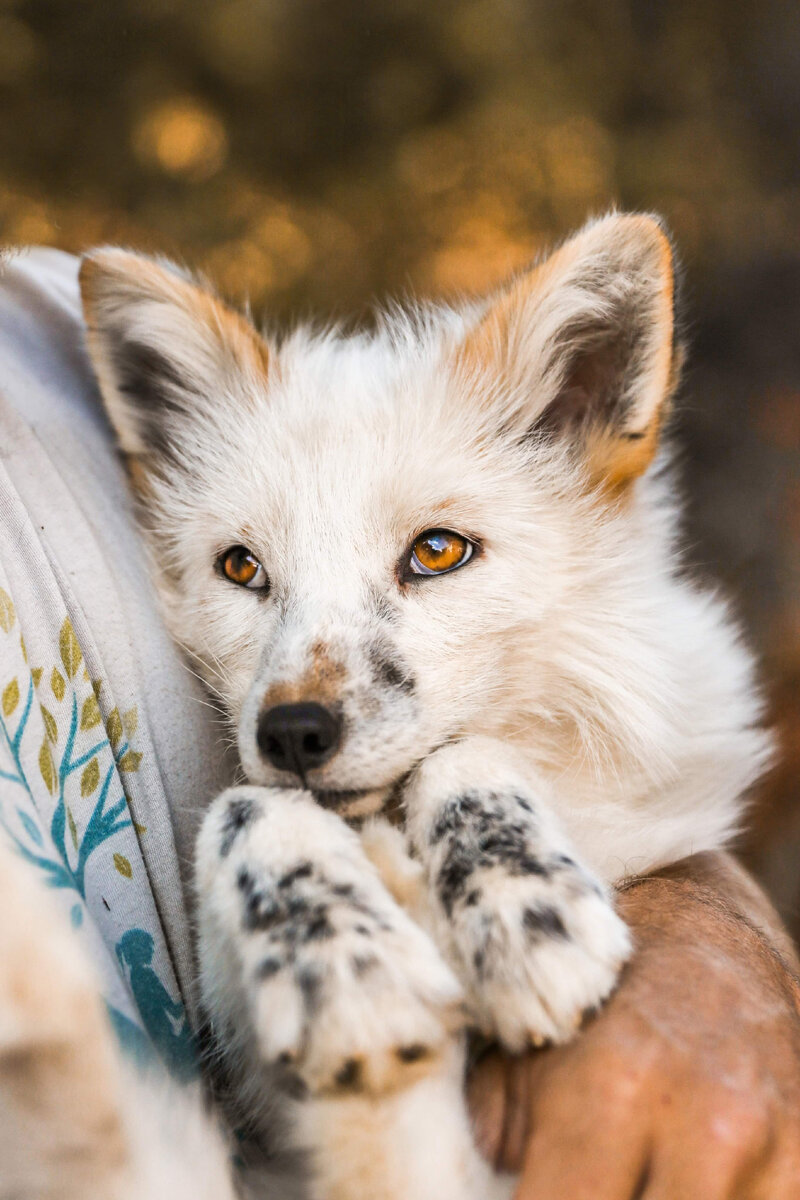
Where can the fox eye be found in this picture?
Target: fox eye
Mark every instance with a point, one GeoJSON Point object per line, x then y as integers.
{"type": "Point", "coordinates": [437, 551]}
{"type": "Point", "coordinates": [241, 566]}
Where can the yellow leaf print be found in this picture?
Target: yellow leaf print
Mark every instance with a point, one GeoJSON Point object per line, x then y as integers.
{"type": "Point", "coordinates": [96, 685]}
{"type": "Point", "coordinates": [10, 698]}
{"type": "Point", "coordinates": [130, 720]}
{"type": "Point", "coordinates": [130, 761]}
{"type": "Point", "coordinates": [57, 684]}
{"type": "Point", "coordinates": [73, 832]}
{"type": "Point", "coordinates": [7, 614]}
{"type": "Point", "coordinates": [23, 649]}
{"type": "Point", "coordinates": [37, 676]}
{"type": "Point", "coordinates": [114, 728]}
{"type": "Point", "coordinates": [123, 866]}
{"type": "Point", "coordinates": [90, 713]}
{"type": "Point", "coordinates": [90, 777]}
{"type": "Point", "coordinates": [140, 829]}
{"type": "Point", "coordinates": [70, 650]}
{"type": "Point", "coordinates": [47, 767]}
{"type": "Point", "coordinates": [49, 723]}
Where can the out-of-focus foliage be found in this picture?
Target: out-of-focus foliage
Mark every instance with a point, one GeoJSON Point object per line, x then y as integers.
{"type": "Point", "coordinates": [314, 156]}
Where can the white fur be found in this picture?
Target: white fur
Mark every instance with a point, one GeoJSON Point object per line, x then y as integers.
{"type": "Point", "coordinates": [566, 710]}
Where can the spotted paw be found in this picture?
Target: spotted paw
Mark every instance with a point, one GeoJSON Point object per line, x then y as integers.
{"type": "Point", "coordinates": [531, 933]}
{"type": "Point", "coordinates": [337, 983]}
{"type": "Point", "coordinates": [539, 955]}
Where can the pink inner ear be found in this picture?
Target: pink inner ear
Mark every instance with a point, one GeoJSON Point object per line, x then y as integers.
{"type": "Point", "coordinates": [594, 385]}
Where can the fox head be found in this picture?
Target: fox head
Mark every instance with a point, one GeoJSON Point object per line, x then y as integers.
{"type": "Point", "coordinates": [378, 543]}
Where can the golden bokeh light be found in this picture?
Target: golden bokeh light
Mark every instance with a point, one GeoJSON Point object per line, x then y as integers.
{"type": "Point", "coordinates": [182, 137]}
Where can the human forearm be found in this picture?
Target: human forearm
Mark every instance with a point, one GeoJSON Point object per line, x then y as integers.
{"type": "Point", "coordinates": [718, 878]}
{"type": "Point", "coordinates": [688, 1082]}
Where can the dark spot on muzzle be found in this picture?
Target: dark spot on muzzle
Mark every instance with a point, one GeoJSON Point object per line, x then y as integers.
{"type": "Point", "coordinates": [390, 671]}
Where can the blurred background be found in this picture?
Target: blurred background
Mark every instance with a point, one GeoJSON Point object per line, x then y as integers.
{"type": "Point", "coordinates": [317, 156]}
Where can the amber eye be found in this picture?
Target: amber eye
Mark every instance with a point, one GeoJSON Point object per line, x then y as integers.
{"type": "Point", "coordinates": [241, 566]}
{"type": "Point", "coordinates": [439, 550]}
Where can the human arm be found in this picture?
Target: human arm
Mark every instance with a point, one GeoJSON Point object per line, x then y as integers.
{"type": "Point", "coordinates": [688, 1083]}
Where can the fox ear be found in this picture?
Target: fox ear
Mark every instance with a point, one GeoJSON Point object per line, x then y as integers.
{"type": "Point", "coordinates": [165, 350]}
{"type": "Point", "coordinates": [581, 346]}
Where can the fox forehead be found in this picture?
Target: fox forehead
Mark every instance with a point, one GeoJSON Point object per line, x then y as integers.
{"type": "Point", "coordinates": [345, 395]}
{"type": "Point", "coordinates": [355, 446]}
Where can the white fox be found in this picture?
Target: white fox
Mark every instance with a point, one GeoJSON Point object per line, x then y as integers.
{"type": "Point", "coordinates": [431, 572]}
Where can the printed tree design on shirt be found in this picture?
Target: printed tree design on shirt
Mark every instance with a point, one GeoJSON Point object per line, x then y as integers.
{"type": "Point", "coordinates": [80, 762]}
{"type": "Point", "coordinates": [57, 763]}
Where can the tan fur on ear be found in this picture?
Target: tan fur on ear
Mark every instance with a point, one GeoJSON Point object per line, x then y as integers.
{"type": "Point", "coordinates": [110, 274]}
{"type": "Point", "coordinates": [615, 460]}
{"type": "Point", "coordinates": [138, 477]}
{"type": "Point", "coordinates": [600, 304]}
{"type": "Point", "coordinates": [162, 344]}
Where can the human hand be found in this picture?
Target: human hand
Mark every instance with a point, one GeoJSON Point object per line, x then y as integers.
{"type": "Point", "coordinates": [687, 1085]}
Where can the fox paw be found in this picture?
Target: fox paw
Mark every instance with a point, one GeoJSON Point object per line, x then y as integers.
{"type": "Point", "coordinates": [339, 986]}
{"type": "Point", "coordinates": [532, 934]}
{"type": "Point", "coordinates": [539, 958]}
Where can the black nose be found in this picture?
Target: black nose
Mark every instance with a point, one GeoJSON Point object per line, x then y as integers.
{"type": "Point", "coordinates": [298, 737]}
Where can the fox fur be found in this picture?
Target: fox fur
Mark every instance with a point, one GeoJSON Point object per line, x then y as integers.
{"type": "Point", "coordinates": [564, 710]}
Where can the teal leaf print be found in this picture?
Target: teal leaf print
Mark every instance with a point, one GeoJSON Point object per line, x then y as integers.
{"type": "Point", "coordinates": [30, 827]}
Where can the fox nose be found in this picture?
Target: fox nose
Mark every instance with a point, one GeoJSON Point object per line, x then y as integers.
{"type": "Point", "coordinates": [298, 737]}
